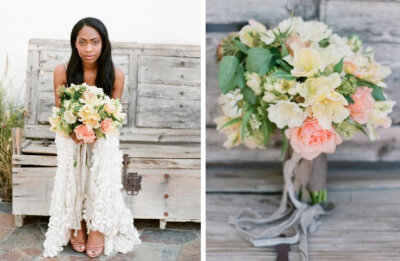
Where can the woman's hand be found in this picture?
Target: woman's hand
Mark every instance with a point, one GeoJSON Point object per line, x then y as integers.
{"type": "Point", "coordinates": [74, 138]}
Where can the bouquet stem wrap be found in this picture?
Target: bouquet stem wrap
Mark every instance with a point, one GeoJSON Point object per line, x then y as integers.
{"type": "Point", "coordinates": [296, 218]}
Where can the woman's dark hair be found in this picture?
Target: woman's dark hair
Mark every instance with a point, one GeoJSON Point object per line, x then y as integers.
{"type": "Point", "coordinates": [105, 68]}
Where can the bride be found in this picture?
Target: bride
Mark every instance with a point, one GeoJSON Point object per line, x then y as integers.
{"type": "Point", "coordinates": [89, 212]}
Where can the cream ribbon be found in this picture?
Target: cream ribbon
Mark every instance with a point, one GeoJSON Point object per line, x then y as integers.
{"type": "Point", "coordinates": [293, 218]}
{"type": "Point", "coordinates": [83, 155]}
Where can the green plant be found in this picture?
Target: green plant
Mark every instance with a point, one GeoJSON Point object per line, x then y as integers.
{"type": "Point", "coordinates": [11, 116]}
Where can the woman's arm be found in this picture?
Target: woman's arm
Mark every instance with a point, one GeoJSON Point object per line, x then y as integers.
{"type": "Point", "coordinates": [118, 84]}
{"type": "Point", "coordinates": [60, 78]}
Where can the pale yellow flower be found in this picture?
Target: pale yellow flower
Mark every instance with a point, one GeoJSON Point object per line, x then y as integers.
{"type": "Point", "coordinates": [306, 62]}
{"type": "Point", "coordinates": [253, 80]}
{"type": "Point", "coordinates": [380, 112]}
{"type": "Point", "coordinates": [87, 112]}
{"type": "Point", "coordinates": [331, 109]}
{"type": "Point", "coordinates": [286, 113]}
{"type": "Point", "coordinates": [316, 89]}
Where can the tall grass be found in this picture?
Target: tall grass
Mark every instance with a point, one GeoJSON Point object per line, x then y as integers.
{"type": "Point", "coordinates": [11, 115]}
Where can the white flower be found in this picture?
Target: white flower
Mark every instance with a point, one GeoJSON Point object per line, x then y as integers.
{"type": "Point", "coordinates": [69, 117]}
{"type": "Point", "coordinates": [229, 103]}
{"type": "Point", "coordinates": [249, 32]}
{"type": "Point", "coordinates": [253, 80]}
{"type": "Point", "coordinates": [269, 97]}
{"type": "Point", "coordinates": [380, 112]}
{"type": "Point", "coordinates": [286, 113]}
{"type": "Point", "coordinates": [287, 26]}
{"type": "Point", "coordinates": [314, 31]}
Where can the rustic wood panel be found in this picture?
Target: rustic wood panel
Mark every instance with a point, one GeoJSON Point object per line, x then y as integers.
{"type": "Point", "coordinates": [248, 179]}
{"type": "Point", "coordinates": [182, 187]}
{"type": "Point", "coordinates": [359, 149]}
{"type": "Point", "coordinates": [374, 21]}
{"type": "Point", "coordinates": [169, 70]}
{"type": "Point", "coordinates": [346, 234]}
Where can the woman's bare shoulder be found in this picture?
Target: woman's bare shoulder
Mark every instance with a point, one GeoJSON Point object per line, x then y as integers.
{"type": "Point", "coordinates": [60, 73]}
{"type": "Point", "coordinates": [119, 74]}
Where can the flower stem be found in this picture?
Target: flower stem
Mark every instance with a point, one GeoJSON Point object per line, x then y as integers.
{"type": "Point", "coordinates": [318, 196]}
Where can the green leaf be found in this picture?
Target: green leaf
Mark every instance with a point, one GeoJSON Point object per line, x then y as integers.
{"type": "Point", "coordinates": [245, 121]}
{"type": "Point", "coordinates": [283, 74]}
{"type": "Point", "coordinates": [338, 68]}
{"type": "Point", "coordinates": [249, 95]}
{"type": "Point", "coordinates": [233, 121]}
{"type": "Point", "coordinates": [267, 128]}
{"type": "Point", "coordinates": [284, 50]}
{"type": "Point", "coordinates": [349, 99]}
{"type": "Point", "coordinates": [226, 77]}
{"type": "Point", "coordinates": [284, 65]}
{"type": "Point", "coordinates": [360, 128]}
{"type": "Point", "coordinates": [241, 46]}
{"type": "Point", "coordinates": [285, 143]}
{"type": "Point", "coordinates": [258, 60]}
{"type": "Point", "coordinates": [239, 78]}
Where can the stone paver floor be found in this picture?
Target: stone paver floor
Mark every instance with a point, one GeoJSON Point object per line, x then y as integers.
{"type": "Point", "coordinates": [179, 241]}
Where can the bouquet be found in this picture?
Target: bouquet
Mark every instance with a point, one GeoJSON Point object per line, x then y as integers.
{"type": "Point", "coordinates": [86, 111]}
{"type": "Point", "coordinates": [316, 87]}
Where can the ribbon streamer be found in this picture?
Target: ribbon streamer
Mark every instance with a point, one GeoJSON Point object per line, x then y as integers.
{"type": "Point", "coordinates": [293, 219]}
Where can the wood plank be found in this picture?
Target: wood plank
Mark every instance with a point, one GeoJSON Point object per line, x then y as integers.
{"type": "Point", "coordinates": [347, 232]}
{"type": "Point", "coordinates": [182, 187]}
{"type": "Point", "coordinates": [169, 70]}
{"type": "Point", "coordinates": [248, 179]}
{"type": "Point", "coordinates": [128, 134]}
{"type": "Point", "coordinates": [139, 150]}
{"type": "Point", "coordinates": [374, 21]}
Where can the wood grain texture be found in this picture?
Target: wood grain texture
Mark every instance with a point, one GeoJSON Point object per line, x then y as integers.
{"type": "Point", "coordinates": [362, 226]}
{"type": "Point", "coordinates": [374, 21]}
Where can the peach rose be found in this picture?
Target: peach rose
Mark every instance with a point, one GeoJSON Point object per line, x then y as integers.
{"type": "Point", "coordinates": [106, 125]}
{"type": "Point", "coordinates": [310, 139]}
{"type": "Point", "coordinates": [85, 133]}
{"type": "Point", "coordinates": [363, 105]}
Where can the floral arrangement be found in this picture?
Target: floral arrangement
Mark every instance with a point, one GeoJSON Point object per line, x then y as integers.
{"type": "Point", "coordinates": [87, 111]}
{"type": "Point", "coordinates": [316, 87]}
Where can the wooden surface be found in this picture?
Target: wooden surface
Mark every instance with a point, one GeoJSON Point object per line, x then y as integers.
{"type": "Point", "coordinates": [363, 226]}
{"type": "Point", "coordinates": [374, 20]}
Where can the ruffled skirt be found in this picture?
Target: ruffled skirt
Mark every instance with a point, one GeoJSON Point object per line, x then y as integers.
{"type": "Point", "coordinates": [94, 195]}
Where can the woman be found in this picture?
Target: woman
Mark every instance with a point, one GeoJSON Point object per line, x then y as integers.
{"type": "Point", "coordinates": [94, 204]}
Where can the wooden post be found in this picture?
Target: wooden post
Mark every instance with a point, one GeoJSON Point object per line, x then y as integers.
{"type": "Point", "coordinates": [16, 134]}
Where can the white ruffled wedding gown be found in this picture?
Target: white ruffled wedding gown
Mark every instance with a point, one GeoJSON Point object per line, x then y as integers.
{"type": "Point", "coordinates": [93, 194]}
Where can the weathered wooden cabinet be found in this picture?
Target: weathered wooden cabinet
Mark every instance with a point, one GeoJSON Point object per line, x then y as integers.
{"type": "Point", "coordinates": [161, 134]}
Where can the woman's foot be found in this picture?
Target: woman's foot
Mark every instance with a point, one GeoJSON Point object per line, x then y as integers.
{"type": "Point", "coordinates": [78, 243]}
{"type": "Point", "coordinates": [95, 244]}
